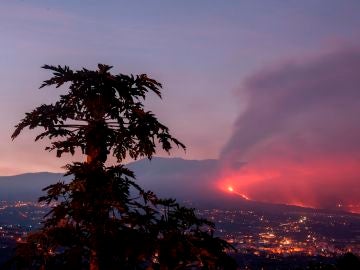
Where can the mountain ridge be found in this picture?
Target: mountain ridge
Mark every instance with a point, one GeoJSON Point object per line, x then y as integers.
{"type": "Point", "coordinates": [186, 180]}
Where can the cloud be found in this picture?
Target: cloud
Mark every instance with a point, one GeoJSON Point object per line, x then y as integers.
{"type": "Point", "coordinates": [299, 135]}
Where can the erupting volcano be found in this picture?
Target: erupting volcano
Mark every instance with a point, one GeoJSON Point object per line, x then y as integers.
{"type": "Point", "coordinates": [297, 140]}
{"type": "Point", "coordinates": [233, 191]}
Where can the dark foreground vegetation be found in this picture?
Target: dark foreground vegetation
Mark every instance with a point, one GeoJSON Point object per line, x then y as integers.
{"type": "Point", "coordinates": [102, 219]}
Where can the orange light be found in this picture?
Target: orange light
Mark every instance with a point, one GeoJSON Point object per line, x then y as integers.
{"type": "Point", "coordinates": [230, 188]}
{"type": "Point", "coordinates": [244, 197]}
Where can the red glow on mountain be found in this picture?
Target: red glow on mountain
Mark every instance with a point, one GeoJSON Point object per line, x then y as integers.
{"type": "Point", "coordinates": [295, 183]}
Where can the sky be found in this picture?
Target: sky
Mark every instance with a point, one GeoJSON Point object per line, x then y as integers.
{"type": "Point", "coordinates": [270, 88]}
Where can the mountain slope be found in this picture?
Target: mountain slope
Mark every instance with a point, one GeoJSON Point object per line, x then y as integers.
{"type": "Point", "coordinates": [175, 177]}
{"type": "Point", "coordinates": [185, 180]}
{"type": "Point", "coordinates": [26, 186]}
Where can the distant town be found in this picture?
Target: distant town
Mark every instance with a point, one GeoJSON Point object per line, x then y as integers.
{"type": "Point", "coordinates": [288, 233]}
{"type": "Point", "coordinates": [257, 234]}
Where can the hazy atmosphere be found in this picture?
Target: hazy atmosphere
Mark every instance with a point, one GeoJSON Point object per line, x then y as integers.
{"type": "Point", "coordinates": [271, 89]}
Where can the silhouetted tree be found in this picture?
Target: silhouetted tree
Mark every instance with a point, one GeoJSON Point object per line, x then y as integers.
{"type": "Point", "coordinates": [348, 261]}
{"type": "Point", "coordinates": [102, 219]}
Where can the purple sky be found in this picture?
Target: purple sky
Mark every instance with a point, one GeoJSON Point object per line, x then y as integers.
{"type": "Point", "coordinates": [216, 59]}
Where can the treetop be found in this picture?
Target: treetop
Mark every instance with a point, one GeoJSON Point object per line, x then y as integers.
{"type": "Point", "coordinates": [100, 109]}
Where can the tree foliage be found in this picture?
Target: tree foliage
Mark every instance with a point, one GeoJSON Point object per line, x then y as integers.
{"type": "Point", "coordinates": [102, 219]}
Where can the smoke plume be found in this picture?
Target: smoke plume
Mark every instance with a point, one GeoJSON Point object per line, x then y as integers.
{"type": "Point", "coordinates": [298, 141]}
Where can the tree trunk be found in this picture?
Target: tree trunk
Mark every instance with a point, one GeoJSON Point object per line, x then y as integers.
{"type": "Point", "coordinates": [94, 260]}
{"type": "Point", "coordinates": [94, 150]}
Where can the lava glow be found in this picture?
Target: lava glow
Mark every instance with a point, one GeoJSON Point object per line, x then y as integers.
{"type": "Point", "coordinates": [260, 182]}
{"type": "Point", "coordinates": [244, 196]}
{"type": "Point", "coordinates": [231, 190]}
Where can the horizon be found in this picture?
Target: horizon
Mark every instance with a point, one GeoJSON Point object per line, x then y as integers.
{"type": "Point", "coordinates": [175, 179]}
{"type": "Point", "coordinates": [268, 90]}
